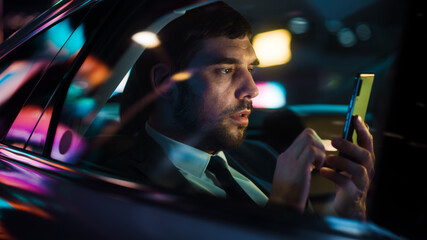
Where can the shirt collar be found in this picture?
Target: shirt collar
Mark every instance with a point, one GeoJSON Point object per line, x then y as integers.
{"type": "Point", "coordinates": [186, 158]}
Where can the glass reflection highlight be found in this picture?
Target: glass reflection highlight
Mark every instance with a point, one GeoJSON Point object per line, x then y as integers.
{"type": "Point", "coordinates": [16, 75]}
{"type": "Point", "coordinates": [67, 145]}
{"type": "Point", "coordinates": [22, 178]}
{"type": "Point", "coordinates": [61, 33]}
{"type": "Point", "coordinates": [181, 76]}
{"type": "Point", "coordinates": [32, 122]}
{"type": "Point", "coordinates": [146, 39]}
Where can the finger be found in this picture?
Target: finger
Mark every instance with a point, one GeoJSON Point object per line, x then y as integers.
{"type": "Point", "coordinates": [307, 137]}
{"type": "Point", "coordinates": [312, 156]}
{"type": "Point", "coordinates": [364, 137]}
{"type": "Point", "coordinates": [357, 172]}
{"type": "Point", "coordinates": [356, 153]}
{"type": "Point", "coordinates": [340, 180]}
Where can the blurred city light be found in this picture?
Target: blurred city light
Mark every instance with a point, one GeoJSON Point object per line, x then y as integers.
{"type": "Point", "coordinates": [60, 35]}
{"type": "Point", "coordinates": [16, 75]}
{"type": "Point", "coordinates": [346, 37]}
{"type": "Point", "coordinates": [363, 31]}
{"type": "Point", "coordinates": [92, 73]}
{"type": "Point", "coordinates": [273, 48]}
{"type": "Point", "coordinates": [272, 95]}
{"type": "Point", "coordinates": [298, 25]}
{"type": "Point", "coordinates": [146, 39]}
{"type": "Point", "coordinates": [25, 123]}
{"type": "Point", "coordinates": [333, 25]}
{"type": "Point", "coordinates": [83, 106]}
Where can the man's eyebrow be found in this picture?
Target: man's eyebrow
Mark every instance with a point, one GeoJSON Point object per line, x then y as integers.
{"type": "Point", "coordinates": [227, 60]}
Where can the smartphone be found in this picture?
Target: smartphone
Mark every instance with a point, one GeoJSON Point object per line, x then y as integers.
{"type": "Point", "coordinates": [358, 104]}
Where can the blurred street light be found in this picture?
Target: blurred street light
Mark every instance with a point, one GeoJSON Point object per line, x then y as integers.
{"type": "Point", "coordinates": [273, 48]}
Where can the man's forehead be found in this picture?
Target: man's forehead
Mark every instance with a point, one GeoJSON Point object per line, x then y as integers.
{"type": "Point", "coordinates": [222, 48]}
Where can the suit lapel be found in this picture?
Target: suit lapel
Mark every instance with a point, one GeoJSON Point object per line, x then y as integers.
{"type": "Point", "coordinates": [154, 164]}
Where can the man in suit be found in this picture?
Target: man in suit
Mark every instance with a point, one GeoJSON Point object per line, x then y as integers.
{"type": "Point", "coordinates": [201, 75]}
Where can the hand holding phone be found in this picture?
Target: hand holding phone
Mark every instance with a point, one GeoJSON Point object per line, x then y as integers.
{"type": "Point", "coordinates": [345, 170]}
{"type": "Point", "coordinates": [358, 104]}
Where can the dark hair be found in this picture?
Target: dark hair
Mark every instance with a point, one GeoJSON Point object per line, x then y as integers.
{"type": "Point", "coordinates": [180, 40]}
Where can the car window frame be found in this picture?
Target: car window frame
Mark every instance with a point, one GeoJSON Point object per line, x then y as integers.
{"type": "Point", "coordinates": [57, 14]}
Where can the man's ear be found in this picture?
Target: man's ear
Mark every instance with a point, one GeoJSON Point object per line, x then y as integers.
{"type": "Point", "coordinates": [160, 79]}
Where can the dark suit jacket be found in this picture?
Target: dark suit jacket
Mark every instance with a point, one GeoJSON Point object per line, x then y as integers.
{"type": "Point", "coordinates": [146, 161]}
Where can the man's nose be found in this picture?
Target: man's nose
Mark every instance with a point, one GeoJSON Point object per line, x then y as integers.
{"type": "Point", "coordinates": [247, 88]}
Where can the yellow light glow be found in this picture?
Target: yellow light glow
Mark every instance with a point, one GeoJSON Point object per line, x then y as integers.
{"type": "Point", "coordinates": [146, 39]}
{"type": "Point", "coordinates": [181, 76]}
{"type": "Point", "coordinates": [328, 145]}
{"type": "Point", "coordinates": [273, 48]}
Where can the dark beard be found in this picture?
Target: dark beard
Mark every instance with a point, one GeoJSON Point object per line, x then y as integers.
{"type": "Point", "coordinates": [188, 114]}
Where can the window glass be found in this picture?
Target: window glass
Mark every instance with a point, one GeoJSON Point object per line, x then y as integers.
{"type": "Point", "coordinates": [32, 76]}
{"type": "Point", "coordinates": [54, 51]}
{"type": "Point", "coordinates": [308, 55]}
{"type": "Point", "coordinates": [88, 111]}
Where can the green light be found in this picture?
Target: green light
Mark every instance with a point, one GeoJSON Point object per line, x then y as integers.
{"type": "Point", "coordinates": [56, 3]}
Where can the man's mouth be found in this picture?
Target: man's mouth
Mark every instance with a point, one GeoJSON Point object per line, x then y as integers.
{"type": "Point", "coordinates": [241, 117]}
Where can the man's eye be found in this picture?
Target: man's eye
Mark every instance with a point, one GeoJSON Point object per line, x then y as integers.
{"type": "Point", "coordinates": [226, 70]}
{"type": "Point", "coordinates": [251, 70]}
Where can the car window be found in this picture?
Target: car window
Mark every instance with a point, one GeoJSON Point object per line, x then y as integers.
{"type": "Point", "coordinates": [309, 86]}
{"type": "Point", "coordinates": [305, 81]}
{"type": "Point", "coordinates": [309, 56]}
{"type": "Point", "coordinates": [90, 113]}
{"type": "Point", "coordinates": [306, 58]}
{"type": "Point", "coordinates": [30, 77]}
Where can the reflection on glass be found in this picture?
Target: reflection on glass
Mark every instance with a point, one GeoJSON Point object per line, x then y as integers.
{"type": "Point", "coordinates": [181, 76]}
{"type": "Point", "coordinates": [16, 75]}
{"type": "Point", "coordinates": [67, 145]}
{"type": "Point", "coordinates": [24, 126]}
{"type": "Point", "coordinates": [30, 79]}
{"type": "Point", "coordinates": [25, 180]}
{"type": "Point", "coordinates": [122, 84]}
{"type": "Point", "coordinates": [146, 39]}
{"type": "Point", "coordinates": [92, 73]}
{"type": "Point", "coordinates": [80, 108]}
{"type": "Point", "coordinates": [22, 178]}
{"type": "Point", "coordinates": [58, 35]}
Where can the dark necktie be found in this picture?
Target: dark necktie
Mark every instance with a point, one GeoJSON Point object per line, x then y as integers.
{"type": "Point", "coordinates": [231, 187]}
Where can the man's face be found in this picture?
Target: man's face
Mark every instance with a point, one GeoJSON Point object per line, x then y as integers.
{"type": "Point", "coordinates": [216, 101]}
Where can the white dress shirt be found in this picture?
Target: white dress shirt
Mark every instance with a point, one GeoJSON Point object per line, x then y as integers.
{"type": "Point", "coordinates": [192, 163]}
